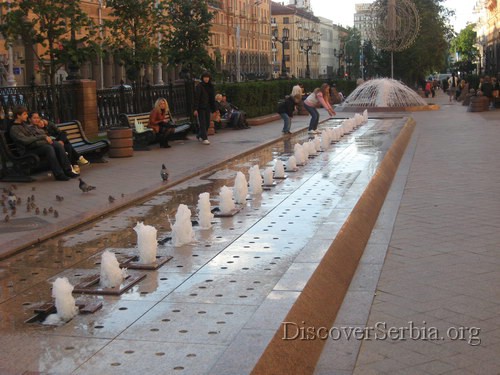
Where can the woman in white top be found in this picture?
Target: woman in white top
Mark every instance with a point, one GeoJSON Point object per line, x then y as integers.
{"type": "Point", "coordinates": [320, 97]}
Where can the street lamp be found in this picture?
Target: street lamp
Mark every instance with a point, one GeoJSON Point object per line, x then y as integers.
{"type": "Point", "coordinates": [283, 40]}
{"type": "Point", "coordinates": [339, 54]}
{"type": "Point", "coordinates": [306, 45]}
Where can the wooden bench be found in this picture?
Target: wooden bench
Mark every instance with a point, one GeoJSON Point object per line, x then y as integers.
{"type": "Point", "coordinates": [17, 166]}
{"type": "Point", "coordinates": [144, 136]}
{"type": "Point", "coordinates": [94, 151]}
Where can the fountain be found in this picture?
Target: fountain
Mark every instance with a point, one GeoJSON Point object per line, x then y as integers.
{"type": "Point", "coordinates": [240, 190]}
{"type": "Point", "coordinates": [268, 176]}
{"type": "Point", "coordinates": [279, 169]}
{"type": "Point", "coordinates": [325, 140]}
{"type": "Point", "coordinates": [291, 164]}
{"type": "Point", "coordinates": [111, 273]}
{"type": "Point", "coordinates": [317, 144]}
{"type": "Point", "coordinates": [182, 230]}
{"type": "Point", "coordinates": [255, 180]}
{"type": "Point", "coordinates": [65, 303]}
{"type": "Point", "coordinates": [384, 94]}
{"type": "Point", "coordinates": [146, 243]}
{"type": "Point", "coordinates": [205, 215]}
{"type": "Point", "coordinates": [298, 152]}
{"type": "Point", "coordinates": [226, 202]}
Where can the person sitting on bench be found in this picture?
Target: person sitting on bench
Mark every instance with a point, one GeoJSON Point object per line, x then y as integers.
{"type": "Point", "coordinates": [237, 118]}
{"type": "Point", "coordinates": [60, 136]}
{"type": "Point", "coordinates": [160, 120]}
{"type": "Point", "coordinates": [29, 139]}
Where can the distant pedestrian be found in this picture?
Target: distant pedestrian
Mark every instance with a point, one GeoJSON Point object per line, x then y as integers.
{"type": "Point", "coordinates": [204, 106]}
{"type": "Point", "coordinates": [452, 86]}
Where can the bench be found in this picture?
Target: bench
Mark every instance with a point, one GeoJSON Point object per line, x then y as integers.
{"type": "Point", "coordinates": [17, 166]}
{"type": "Point", "coordinates": [94, 151]}
{"type": "Point", "coordinates": [144, 136]}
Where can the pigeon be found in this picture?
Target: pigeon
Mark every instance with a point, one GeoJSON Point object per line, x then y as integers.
{"type": "Point", "coordinates": [111, 199]}
{"type": "Point", "coordinates": [32, 197]}
{"type": "Point", "coordinates": [123, 195]}
{"type": "Point", "coordinates": [6, 218]}
{"type": "Point", "coordinates": [56, 214]}
{"type": "Point", "coordinates": [164, 173]}
{"type": "Point", "coordinates": [51, 209]}
{"type": "Point", "coordinates": [45, 212]}
{"type": "Point", "coordinates": [12, 199]}
{"type": "Point", "coordinates": [59, 198]}
{"type": "Point", "coordinates": [84, 187]}
{"type": "Point", "coordinates": [37, 211]}
{"type": "Point", "coordinates": [28, 208]}
{"type": "Point", "coordinates": [33, 188]}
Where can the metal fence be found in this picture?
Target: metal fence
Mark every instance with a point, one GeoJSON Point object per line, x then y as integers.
{"type": "Point", "coordinates": [110, 102]}
{"type": "Point", "coordinates": [139, 99]}
{"type": "Point", "coordinates": [40, 99]}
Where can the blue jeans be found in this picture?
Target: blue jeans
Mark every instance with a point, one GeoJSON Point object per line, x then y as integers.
{"type": "Point", "coordinates": [313, 124]}
{"type": "Point", "coordinates": [287, 122]}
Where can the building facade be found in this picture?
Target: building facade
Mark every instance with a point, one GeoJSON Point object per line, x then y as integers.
{"type": "Point", "coordinates": [488, 36]}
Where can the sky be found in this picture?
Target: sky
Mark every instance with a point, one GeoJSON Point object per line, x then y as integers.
{"type": "Point", "coordinates": [342, 11]}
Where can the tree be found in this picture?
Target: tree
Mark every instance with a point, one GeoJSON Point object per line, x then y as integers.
{"type": "Point", "coordinates": [187, 40]}
{"type": "Point", "coordinates": [463, 45]}
{"type": "Point", "coordinates": [352, 51]}
{"type": "Point", "coordinates": [43, 25]}
{"type": "Point", "coordinates": [133, 32]}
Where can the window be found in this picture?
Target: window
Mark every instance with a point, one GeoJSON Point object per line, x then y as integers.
{"type": "Point", "coordinates": [286, 20]}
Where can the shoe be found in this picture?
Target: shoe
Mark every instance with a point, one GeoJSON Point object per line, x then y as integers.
{"type": "Point", "coordinates": [83, 161]}
{"type": "Point", "coordinates": [62, 177]}
{"type": "Point", "coordinates": [289, 132]}
{"type": "Point", "coordinates": [206, 142]}
{"type": "Point", "coordinates": [311, 132]}
{"type": "Point", "coordinates": [71, 174]}
{"type": "Point", "coordinates": [75, 169]}
{"type": "Point", "coordinates": [199, 138]}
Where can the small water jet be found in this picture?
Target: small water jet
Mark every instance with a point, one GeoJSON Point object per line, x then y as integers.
{"type": "Point", "coordinates": [226, 202]}
{"type": "Point", "coordinates": [182, 230]}
{"type": "Point", "coordinates": [299, 154]}
{"type": "Point", "coordinates": [111, 273]}
{"type": "Point", "coordinates": [240, 190]}
{"type": "Point", "coordinates": [279, 169]}
{"type": "Point", "coordinates": [291, 164]}
{"type": "Point", "coordinates": [325, 140]}
{"type": "Point", "coordinates": [146, 242]}
{"type": "Point", "coordinates": [205, 215]}
{"type": "Point", "coordinates": [255, 180]}
{"type": "Point", "coordinates": [268, 176]}
{"type": "Point", "coordinates": [65, 303]}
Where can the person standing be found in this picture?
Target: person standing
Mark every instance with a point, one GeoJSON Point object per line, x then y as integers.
{"type": "Point", "coordinates": [320, 97]}
{"type": "Point", "coordinates": [30, 139]}
{"type": "Point", "coordinates": [204, 106]}
{"type": "Point", "coordinates": [452, 86]}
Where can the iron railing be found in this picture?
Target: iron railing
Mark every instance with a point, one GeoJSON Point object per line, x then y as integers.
{"type": "Point", "coordinates": [140, 99]}
{"type": "Point", "coordinates": [40, 99]}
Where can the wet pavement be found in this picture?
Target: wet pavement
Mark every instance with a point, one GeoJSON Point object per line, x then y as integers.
{"type": "Point", "coordinates": [213, 308]}
{"type": "Point", "coordinates": [184, 316]}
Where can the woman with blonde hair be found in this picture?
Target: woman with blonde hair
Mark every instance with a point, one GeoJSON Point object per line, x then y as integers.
{"type": "Point", "coordinates": [320, 97]}
{"type": "Point", "coordinates": [160, 120]}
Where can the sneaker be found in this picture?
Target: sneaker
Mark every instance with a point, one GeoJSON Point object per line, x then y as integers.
{"type": "Point", "coordinates": [75, 169]}
{"type": "Point", "coordinates": [311, 132]}
{"type": "Point", "coordinates": [206, 142]}
{"type": "Point", "coordinates": [317, 131]}
{"type": "Point", "coordinates": [83, 161]}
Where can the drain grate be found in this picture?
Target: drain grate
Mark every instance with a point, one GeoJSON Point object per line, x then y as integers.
{"type": "Point", "coordinates": [90, 285]}
{"type": "Point", "coordinates": [22, 225]}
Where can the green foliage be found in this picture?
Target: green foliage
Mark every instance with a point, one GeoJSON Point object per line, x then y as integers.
{"type": "Point", "coordinates": [187, 38]}
{"type": "Point", "coordinates": [463, 44]}
{"type": "Point", "coordinates": [47, 24]}
{"type": "Point", "coordinates": [260, 98]}
{"type": "Point", "coordinates": [133, 32]}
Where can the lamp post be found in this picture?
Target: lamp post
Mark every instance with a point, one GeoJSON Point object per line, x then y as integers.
{"type": "Point", "coordinates": [306, 45]}
{"type": "Point", "coordinates": [101, 62]}
{"type": "Point", "coordinates": [339, 54]}
{"type": "Point", "coordinates": [283, 40]}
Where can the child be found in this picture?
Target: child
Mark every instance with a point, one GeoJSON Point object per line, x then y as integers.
{"type": "Point", "coordinates": [286, 109]}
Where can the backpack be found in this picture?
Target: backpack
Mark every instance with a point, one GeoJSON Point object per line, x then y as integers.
{"type": "Point", "coordinates": [281, 107]}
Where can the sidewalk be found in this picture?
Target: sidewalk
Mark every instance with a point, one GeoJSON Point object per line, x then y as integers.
{"type": "Point", "coordinates": [431, 266]}
{"type": "Point", "coordinates": [127, 179]}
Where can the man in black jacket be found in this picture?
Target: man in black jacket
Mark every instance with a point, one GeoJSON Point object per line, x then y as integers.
{"type": "Point", "coordinates": [29, 139]}
{"type": "Point", "coordinates": [204, 106]}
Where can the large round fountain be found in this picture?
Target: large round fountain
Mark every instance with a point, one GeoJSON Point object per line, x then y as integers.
{"type": "Point", "coordinates": [383, 94]}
